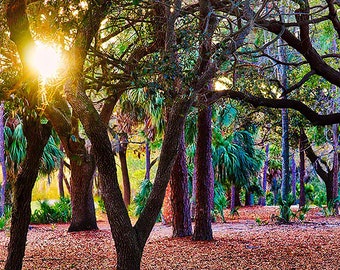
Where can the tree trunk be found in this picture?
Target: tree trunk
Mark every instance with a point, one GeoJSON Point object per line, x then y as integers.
{"type": "Point", "coordinates": [265, 171]}
{"type": "Point", "coordinates": [282, 75]}
{"type": "Point", "coordinates": [167, 212]}
{"type": "Point", "coordinates": [203, 164]}
{"type": "Point", "coordinates": [180, 194]}
{"type": "Point", "coordinates": [37, 136]}
{"type": "Point", "coordinates": [249, 200]}
{"type": "Point", "coordinates": [335, 168]}
{"type": "Point", "coordinates": [83, 210]}
{"type": "Point", "coordinates": [124, 168]}
{"type": "Point", "coordinates": [82, 165]}
{"type": "Point", "coordinates": [232, 197]}
{"type": "Point", "coordinates": [2, 160]}
{"type": "Point", "coordinates": [321, 168]}
{"type": "Point", "coordinates": [302, 200]}
{"type": "Point", "coordinates": [237, 196]}
{"type": "Point", "coordinates": [294, 178]}
{"type": "Point", "coordinates": [147, 160]}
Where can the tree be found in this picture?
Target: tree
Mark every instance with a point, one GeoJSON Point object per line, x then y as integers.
{"type": "Point", "coordinates": [181, 93]}
{"type": "Point", "coordinates": [2, 160]}
{"type": "Point", "coordinates": [180, 194]}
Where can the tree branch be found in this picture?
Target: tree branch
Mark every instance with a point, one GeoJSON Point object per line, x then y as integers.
{"type": "Point", "coordinates": [311, 115]}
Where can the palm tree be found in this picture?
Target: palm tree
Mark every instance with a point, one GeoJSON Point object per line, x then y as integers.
{"type": "Point", "coordinates": [15, 150]}
{"type": "Point", "coordinates": [236, 160]}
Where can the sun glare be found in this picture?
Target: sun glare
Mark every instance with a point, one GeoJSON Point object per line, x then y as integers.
{"type": "Point", "coordinates": [46, 60]}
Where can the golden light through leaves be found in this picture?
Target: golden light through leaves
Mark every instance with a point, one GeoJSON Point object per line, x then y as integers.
{"type": "Point", "coordinates": [46, 60]}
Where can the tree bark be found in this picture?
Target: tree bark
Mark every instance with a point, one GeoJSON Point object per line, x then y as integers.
{"type": "Point", "coordinates": [147, 160]}
{"type": "Point", "coordinates": [204, 192]}
{"type": "Point", "coordinates": [83, 210]}
{"type": "Point", "coordinates": [124, 168]}
{"type": "Point", "coordinates": [264, 182]}
{"type": "Point", "coordinates": [232, 197]}
{"type": "Point", "coordinates": [37, 136]}
{"type": "Point", "coordinates": [82, 166]}
{"type": "Point", "coordinates": [282, 74]}
{"type": "Point", "coordinates": [294, 179]}
{"type": "Point", "coordinates": [180, 194]}
{"type": "Point", "coordinates": [335, 181]}
{"type": "Point", "coordinates": [2, 160]}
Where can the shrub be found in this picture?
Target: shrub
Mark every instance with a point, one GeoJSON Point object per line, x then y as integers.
{"type": "Point", "coordinates": [287, 214]}
{"type": "Point", "coordinates": [220, 201]}
{"type": "Point", "coordinates": [6, 218]}
{"type": "Point", "coordinates": [58, 212]}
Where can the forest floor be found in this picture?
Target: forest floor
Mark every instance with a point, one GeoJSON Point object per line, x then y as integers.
{"type": "Point", "coordinates": [239, 243]}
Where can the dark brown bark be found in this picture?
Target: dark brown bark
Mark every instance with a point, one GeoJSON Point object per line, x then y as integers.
{"type": "Point", "coordinates": [82, 166]}
{"type": "Point", "coordinates": [237, 196]}
{"type": "Point", "coordinates": [312, 116]}
{"type": "Point", "coordinates": [203, 166]}
{"type": "Point", "coordinates": [37, 136]}
{"type": "Point", "coordinates": [83, 210]}
{"type": "Point", "coordinates": [180, 194]}
{"type": "Point", "coordinates": [124, 168]}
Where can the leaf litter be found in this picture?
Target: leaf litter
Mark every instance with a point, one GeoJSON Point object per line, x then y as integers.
{"type": "Point", "coordinates": [239, 243]}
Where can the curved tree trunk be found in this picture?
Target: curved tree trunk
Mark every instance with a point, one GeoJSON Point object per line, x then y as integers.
{"type": "Point", "coordinates": [180, 194]}
{"type": "Point", "coordinates": [203, 165]}
{"type": "Point", "coordinates": [37, 136]}
{"type": "Point", "coordinates": [321, 168]}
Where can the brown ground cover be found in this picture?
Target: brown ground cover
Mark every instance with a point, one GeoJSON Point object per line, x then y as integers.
{"type": "Point", "coordinates": [240, 243]}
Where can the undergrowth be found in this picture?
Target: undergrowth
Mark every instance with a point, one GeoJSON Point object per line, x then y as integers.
{"type": "Point", "coordinates": [56, 213]}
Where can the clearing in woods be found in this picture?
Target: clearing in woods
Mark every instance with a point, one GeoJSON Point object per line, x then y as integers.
{"type": "Point", "coordinates": [240, 243]}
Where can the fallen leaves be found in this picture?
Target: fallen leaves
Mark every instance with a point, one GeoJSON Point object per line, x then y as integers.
{"type": "Point", "coordinates": [238, 244]}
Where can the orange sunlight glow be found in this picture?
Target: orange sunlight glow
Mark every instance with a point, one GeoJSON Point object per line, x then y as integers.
{"type": "Point", "coordinates": [46, 60]}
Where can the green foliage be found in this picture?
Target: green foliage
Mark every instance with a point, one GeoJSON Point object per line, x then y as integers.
{"type": "Point", "coordinates": [6, 218]}
{"type": "Point", "coordinates": [287, 214]}
{"type": "Point", "coordinates": [58, 212]}
{"type": "Point", "coordinates": [17, 148]}
{"type": "Point", "coordinates": [269, 198]}
{"type": "Point", "coordinates": [260, 222]}
{"type": "Point", "coordinates": [220, 201]}
{"type": "Point", "coordinates": [51, 157]}
{"type": "Point", "coordinates": [234, 212]}
{"type": "Point", "coordinates": [142, 196]}
{"type": "Point", "coordinates": [329, 209]}
{"type": "Point", "coordinates": [15, 145]}
{"type": "Point", "coordinates": [101, 205]}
